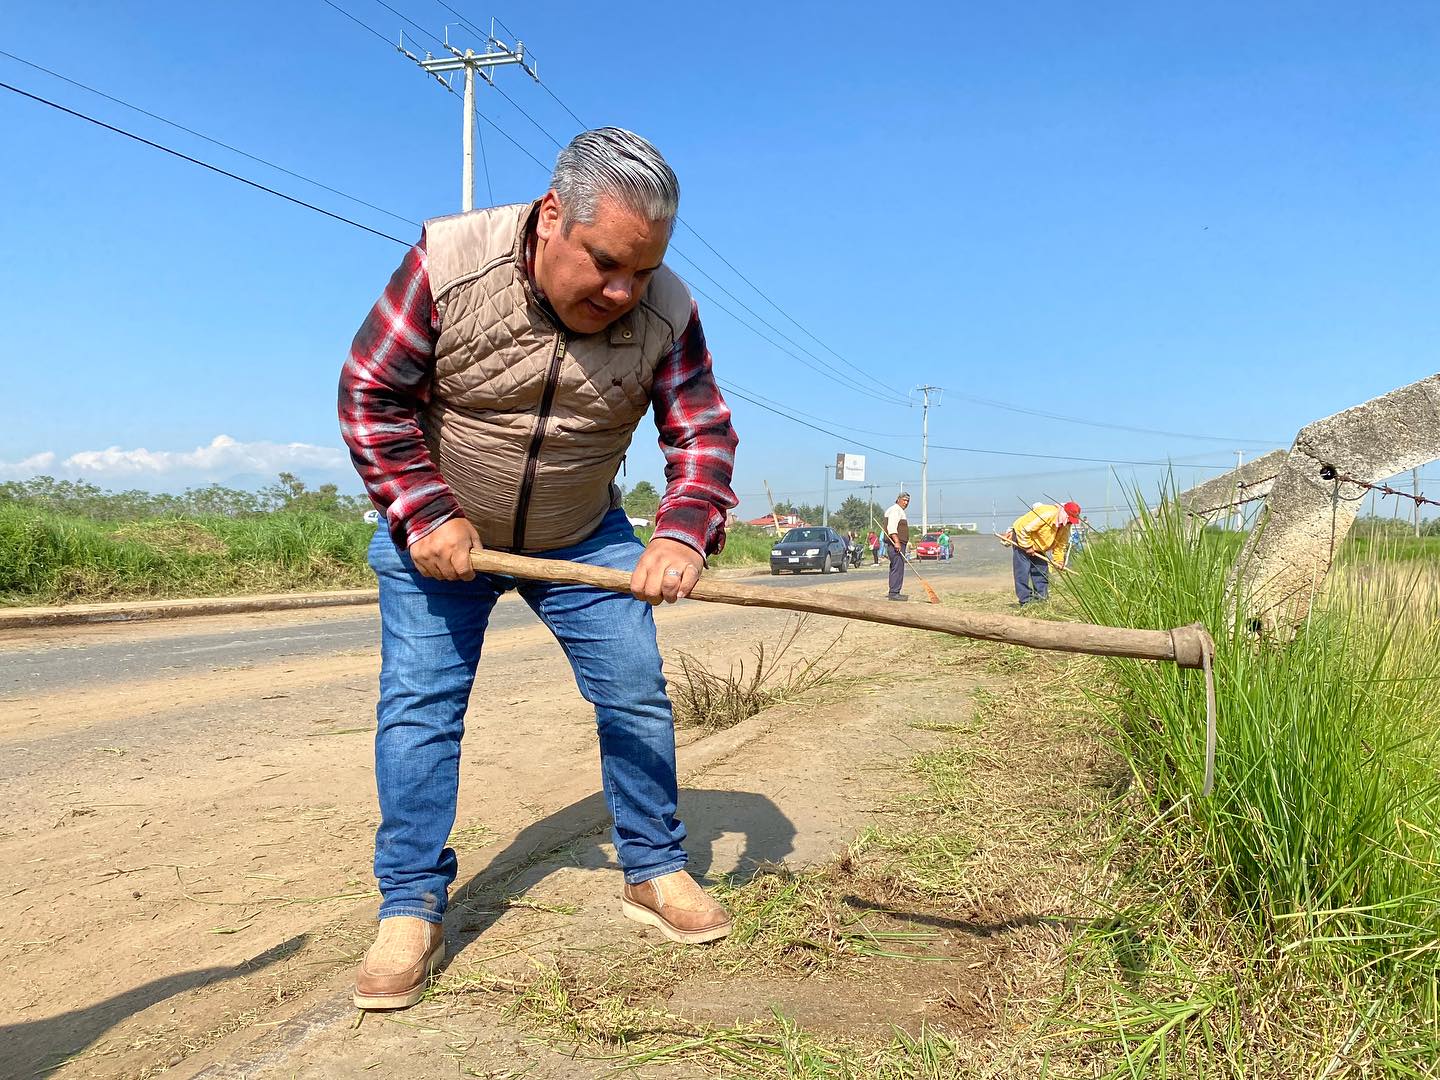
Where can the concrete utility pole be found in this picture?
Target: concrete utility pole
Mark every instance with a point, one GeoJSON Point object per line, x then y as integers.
{"type": "Point", "coordinates": [925, 453]}
{"type": "Point", "coordinates": [825, 510]}
{"type": "Point", "coordinates": [496, 55]}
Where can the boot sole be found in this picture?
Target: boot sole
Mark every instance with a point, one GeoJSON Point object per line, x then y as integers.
{"type": "Point", "coordinates": [644, 915]}
{"type": "Point", "coordinates": [407, 998]}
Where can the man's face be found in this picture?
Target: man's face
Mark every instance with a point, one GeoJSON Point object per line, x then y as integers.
{"type": "Point", "coordinates": [593, 274]}
{"type": "Point", "coordinates": [903, 502]}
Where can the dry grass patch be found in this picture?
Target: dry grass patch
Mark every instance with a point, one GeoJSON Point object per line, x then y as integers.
{"type": "Point", "coordinates": [715, 701]}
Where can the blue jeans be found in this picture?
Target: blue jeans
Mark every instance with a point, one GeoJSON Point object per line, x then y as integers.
{"type": "Point", "coordinates": [431, 635]}
{"type": "Point", "coordinates": [1028, 569]}
{"type": "Point", "coordinates": [897, 568]}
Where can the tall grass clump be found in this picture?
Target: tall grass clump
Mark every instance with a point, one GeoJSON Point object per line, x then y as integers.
{"type": "Point", "coordinates": [1323, 834]}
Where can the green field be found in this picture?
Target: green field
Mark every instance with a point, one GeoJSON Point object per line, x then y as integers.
{"type": "Point", "coordinates": [54, 558]}
{"type": "Point", "coordinates": [49, 557]}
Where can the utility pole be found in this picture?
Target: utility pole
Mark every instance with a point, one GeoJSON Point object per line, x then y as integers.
{"type": "Point", "coordinates": [1415, 487]}
{"type": "Point", "coordinates": [1237, 510]}
{"type": "Point", "coordinates": [496, 54]}
{"type": "Point", "coordinates": [925, 453]}
{"type": "Point", "coordinates": [825, 510]}
{"type": "Point", "coordinates": [775, 521]}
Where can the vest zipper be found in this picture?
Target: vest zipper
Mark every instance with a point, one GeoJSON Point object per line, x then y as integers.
{"type": "Point", "coordinates": [532, 458]}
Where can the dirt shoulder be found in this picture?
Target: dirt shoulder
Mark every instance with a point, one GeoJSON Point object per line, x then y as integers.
{"type": "Point", "coordinates": [193, 898]}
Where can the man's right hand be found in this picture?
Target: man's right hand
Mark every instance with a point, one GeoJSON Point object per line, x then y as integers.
{"type": "Point", "coordinates": [444, 552]}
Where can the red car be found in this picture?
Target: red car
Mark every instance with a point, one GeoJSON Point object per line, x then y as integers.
{"type": "Point", "coordinates": [928, 546]}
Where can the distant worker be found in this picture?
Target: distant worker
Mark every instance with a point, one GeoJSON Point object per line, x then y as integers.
{"type": "Point", "coordinates": [873, 543]}
{"type": "Point", "coordinates": [944, 544]}
{"type": "Point", "coordinates": [897, 535]}
{"type": "Point", "coordinates": [1041, 539]}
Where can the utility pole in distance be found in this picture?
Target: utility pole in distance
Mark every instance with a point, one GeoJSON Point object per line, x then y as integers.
{"type": "Point", "coordinates": [496, 54]}
{"type": "Point", "coordinates": [1237, 511]}
{"type": "Point", "coordinates": [1415, 486]}
{"type": "Point", "coordinates": [925, 453]}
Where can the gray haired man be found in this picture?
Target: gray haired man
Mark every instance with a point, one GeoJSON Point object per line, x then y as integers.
{"type": "Point", "coordinates": [897, 535]}
{"type": "Point", "coordinates": [488, 400]}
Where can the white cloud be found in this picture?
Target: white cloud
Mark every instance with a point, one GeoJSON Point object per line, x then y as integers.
{"type": "Point", "coordinates": [222, 457]}
{"type": "Point", "coordinates": [35, 463]}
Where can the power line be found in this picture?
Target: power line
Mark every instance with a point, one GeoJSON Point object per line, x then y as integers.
{"type": "Point", "coordinates": [375, 232]}
{"type": "Point", "coordinates": [994, 404]}
{"type": "Point", "coordinates": [202, 164]}
{"type": "Point", "coordinates": [814, 427]}
{"type": "Point", "coordinates": [838, 378]}
{"type": "Point", "coordinates": [213, 141]}
{"type": "Point", "coordinates": [364, 26]}
{"type": "Point", "coordinates": [405, 18]}
{"type": "Point", "coordinates": [730, 387]}
{"type": "Point", "coordinates": [820, 419]}
{"type": "Point", "coordinates": [738, 273]}
{"type": "Point", "coordinates": [893, 398]}
{"type": "Point", "coordinates": [1051, 457]}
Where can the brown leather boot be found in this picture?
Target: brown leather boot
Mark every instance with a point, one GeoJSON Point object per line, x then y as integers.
{"type": "Point", "coordinates": [676, 906]}
{"type": "Point", "coordinates": [398, 966]}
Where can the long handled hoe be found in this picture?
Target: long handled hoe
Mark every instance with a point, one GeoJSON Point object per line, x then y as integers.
{"type": "Point", "coordinates": [1186, 646]}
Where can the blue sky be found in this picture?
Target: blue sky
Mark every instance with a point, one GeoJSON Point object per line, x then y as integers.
{"type": "Point", "coordinates": [1217, 219]}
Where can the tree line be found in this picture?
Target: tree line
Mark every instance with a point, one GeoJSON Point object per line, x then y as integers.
{"type": "Point", "coordinates": [288, 494]}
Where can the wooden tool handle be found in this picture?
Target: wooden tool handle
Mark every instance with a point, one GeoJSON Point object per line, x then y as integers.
{"type": "Point", "coordinates": [1186, 646]}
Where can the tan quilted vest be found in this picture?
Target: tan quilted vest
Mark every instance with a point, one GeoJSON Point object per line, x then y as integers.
{"type": "Point", "coordinates": [527, 421]}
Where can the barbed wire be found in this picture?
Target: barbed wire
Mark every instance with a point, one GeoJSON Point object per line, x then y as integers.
{"type": "Point", "coordinates": [1328, 473]}
{"type": "Point", "coordinates": [1385, 489]}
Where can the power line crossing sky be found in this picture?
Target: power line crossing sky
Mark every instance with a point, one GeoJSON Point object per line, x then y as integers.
{"type": "Point", "coordinates": [1182, 229]}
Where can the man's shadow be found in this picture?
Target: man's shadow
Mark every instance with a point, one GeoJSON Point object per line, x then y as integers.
{"type": "Point", "coordinates": [38, 1047]}
{"type": "Point", "coordinates": [578, 831]}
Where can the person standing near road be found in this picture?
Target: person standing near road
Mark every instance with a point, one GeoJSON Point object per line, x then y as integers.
{"type": "Point", "coordinates": [873, 543]}
{"type": "Point", "coordinates": [944, 544]}
{"type": "Point", "coordinates": [897, 535]}
{"type": "Point", "coordinates": [1040, 539]}
{"type": "Point", "coordinates": [488, 401]}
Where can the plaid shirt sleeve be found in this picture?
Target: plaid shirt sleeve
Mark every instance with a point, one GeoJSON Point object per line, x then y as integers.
{"type": "Point", "coordinates": [383, 385]}
{"type": "Point", "coordinates": [698, 443]}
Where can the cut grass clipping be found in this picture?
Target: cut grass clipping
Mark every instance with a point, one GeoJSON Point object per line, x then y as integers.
{"type": "Point", "coordinates": [1290, 925]}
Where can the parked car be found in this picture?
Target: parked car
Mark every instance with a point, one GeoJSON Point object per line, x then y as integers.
{"type": "Point", "coordinates": [814, 547]}
{"type": "Point", "coordinates": [928, 546]}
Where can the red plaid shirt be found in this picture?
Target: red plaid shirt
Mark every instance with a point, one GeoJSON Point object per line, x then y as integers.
{"type": "Point", "coordinates": [387, 380]}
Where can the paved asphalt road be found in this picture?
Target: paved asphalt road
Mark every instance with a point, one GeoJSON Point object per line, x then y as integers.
{"type": "Point", "coordinates": [190, 650]}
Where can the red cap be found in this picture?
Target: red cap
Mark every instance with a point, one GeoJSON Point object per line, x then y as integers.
{"type": "Point", "coordinates": [1073, 509]}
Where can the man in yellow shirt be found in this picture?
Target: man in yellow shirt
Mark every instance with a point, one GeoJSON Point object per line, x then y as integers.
{"type": "Point", "coordinates": [1041, 538]}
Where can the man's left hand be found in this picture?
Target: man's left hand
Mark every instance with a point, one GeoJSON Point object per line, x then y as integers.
{"type": "Point", "coordinates": [667, 571]}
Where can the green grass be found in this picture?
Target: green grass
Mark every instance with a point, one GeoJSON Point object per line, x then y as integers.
{"type": "Point", "coordinates": [1313, 874]}
{"type": "Point", "coordinates": [1362, 549]}
{"type": "Point", "coordinates": [49, 558]}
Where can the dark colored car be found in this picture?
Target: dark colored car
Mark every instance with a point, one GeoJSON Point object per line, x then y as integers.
{"type": "Point", "coordinates": [813, 547]}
